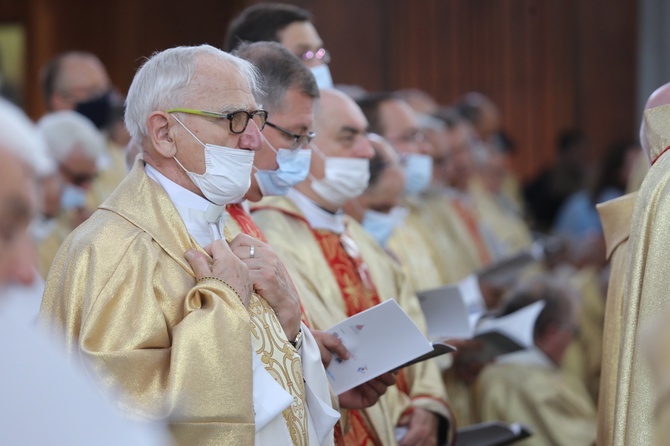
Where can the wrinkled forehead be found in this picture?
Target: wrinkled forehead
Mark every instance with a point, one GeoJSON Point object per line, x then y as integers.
{"type": "Point", "coordinates": [221, 85]}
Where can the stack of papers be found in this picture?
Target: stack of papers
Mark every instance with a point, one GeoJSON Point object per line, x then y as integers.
{"type": "Point", "coordinates": [380, 339]}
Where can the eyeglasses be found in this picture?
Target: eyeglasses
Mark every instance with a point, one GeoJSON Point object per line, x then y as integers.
{"type": "Point", "coordinates": [416, 136]}
{"type": "Point", "coordinates": [300, 141]}
{"type": "Point", "coordinates": [238, 120]}
{"type": "Point", "coordinates": [321, 54]}
{"type": "Point", "coordinates": [78, 179]}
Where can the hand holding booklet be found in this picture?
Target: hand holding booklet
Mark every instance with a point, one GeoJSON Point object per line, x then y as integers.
{"type": "Point", "coordinates": [457, 312]}
{"type": "Point", "coordinates": [380, 339]}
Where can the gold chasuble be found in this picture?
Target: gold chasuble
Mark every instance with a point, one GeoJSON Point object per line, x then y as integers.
{"type": "Point", "coordinates": [525, 387]}
{"type": "Point", "coordinates": [615, 216]}
{"type": "Point", "coordinates": [507, 226]}
{"type": "Point", "coordinates": [338, 275]}
{"type": "Point", "coordinates": [128, 306]}
{"type": "Point", "coordinates": [647, 285]}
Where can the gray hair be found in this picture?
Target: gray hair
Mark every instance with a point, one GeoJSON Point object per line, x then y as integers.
{"type": "Point", "coordinates": [280, 70]}
{"type": "Point", "coordinates": [163, 82]}
{"type": "Point", "coordinates": [67, 130]}
{"type": "Point", "coordinates": [19, 136]}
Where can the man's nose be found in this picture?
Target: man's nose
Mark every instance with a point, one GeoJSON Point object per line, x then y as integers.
{"type": "Point", "coordinates": [364, 149]}
{"type": "Point", "coordinates": [251, 138]}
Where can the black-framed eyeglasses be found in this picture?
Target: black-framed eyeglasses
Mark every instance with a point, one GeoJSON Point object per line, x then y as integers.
{"type": "Point", "coordinates": [238, 120]}
{"type": "Point", "coordinates": [299, 141]}
{"type": "Point", "coordinates": [76, 178]}
{"type": "Point", "coordinates": [321, 54]}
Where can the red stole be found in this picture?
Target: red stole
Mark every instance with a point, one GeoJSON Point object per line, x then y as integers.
{"type": "Point", "coordinates": [249, 227]}
{"type": "Point", "coordinates": [473, 228]}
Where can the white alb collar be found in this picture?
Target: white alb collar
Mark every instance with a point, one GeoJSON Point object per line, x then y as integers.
{"type": "Point", "coordinates": [204, 220]}
{"type": "Point", "coordinates": [316, 216]}
{"type": "Point", "coordinates": [530, 356]}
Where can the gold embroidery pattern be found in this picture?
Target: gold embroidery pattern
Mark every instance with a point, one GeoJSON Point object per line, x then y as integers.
{"type": "Point", "coordinates": [282, 362]}
{"type": "Point", "coordinates": [280, 359]}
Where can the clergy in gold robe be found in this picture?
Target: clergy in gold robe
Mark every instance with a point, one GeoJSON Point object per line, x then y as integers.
{"type": "Point", "coordinates": [76, 146]}
{"type": "Point", "coordinates": [646, 283]}
{"type": "Point", "coordinates": [340, 270]}
{"type": "Point", "coordinates": [173, 327]}
{"type": "Point", "coordinates": [655, 342]}
{"type": "Point", "coordinates": [528, 386]}
{"type": "Point", "coordinates": [615, 216]}
{"type": "Point", "coordinates": [112, 170]}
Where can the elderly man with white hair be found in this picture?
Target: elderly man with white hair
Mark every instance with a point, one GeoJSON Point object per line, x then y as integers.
{"type": "Point", "coordinates": [184, 327]}
{"type": "Point", "coordinates": [76, 146]}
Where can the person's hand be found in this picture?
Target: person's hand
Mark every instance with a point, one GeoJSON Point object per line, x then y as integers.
{"type": "Point", "coordinates": [421, 428]}
{"type": "Point", "coordinates": [368, 393]}
{"type": "Point", "coordinates": [329, 345]}
{"type": "Point", "coordinates": [270, 280]}
{"type": "Point", "coordinates": [466, 366]}
{"type": "Point", "coordinates": [225, 266]}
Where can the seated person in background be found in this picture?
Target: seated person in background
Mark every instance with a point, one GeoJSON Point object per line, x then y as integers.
{"type": "Point", "coordinates": [528, 386]}
{"type": "Point", "coordinates": [76, 146]}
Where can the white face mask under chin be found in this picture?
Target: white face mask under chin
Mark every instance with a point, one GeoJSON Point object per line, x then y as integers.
{"type": "Point", "coordinates": [227, 174]}
{"type": "Point", "coordinates": [344, 179]}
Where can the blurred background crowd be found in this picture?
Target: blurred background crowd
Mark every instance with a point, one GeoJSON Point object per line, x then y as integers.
{"type": "Point", "coordinates": [500, 125]}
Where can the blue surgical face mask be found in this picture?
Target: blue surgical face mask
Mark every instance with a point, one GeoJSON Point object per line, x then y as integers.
{"type": "Point", "coordinates": [293, 169]}
{"type": "Point", "coordinates": [73, 197]}
{"type": "Point", "coordinates": [322, 75]}
{"type": "Point", "coordinates": [418, 172]}
{"type": "Point", "coordinates": [380, 226]}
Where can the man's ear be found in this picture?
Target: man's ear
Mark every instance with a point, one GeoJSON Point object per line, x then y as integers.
{"type": "Point", "coordinates": [160, 135]}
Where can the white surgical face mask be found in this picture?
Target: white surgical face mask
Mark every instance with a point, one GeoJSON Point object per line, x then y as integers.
{"type": "Point", "coordinates": [227, 174]}
{"type": "Point", "coordinates": [41, 227]}
{"type": "Point", "coordinates": [72, 197]}
{"type": "Point", "coordinates": [418, 172]}
{"type": "Point", "coordinates": [322, 75]}
{"type": "Point", "coordinates": [344, 179]}
{"type": "Point", "coordinates": [293, 169]}
{"type": "Point", "coordinates": [380, 226]}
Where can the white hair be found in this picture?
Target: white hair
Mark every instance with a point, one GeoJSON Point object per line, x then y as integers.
{"type": "Point", "coordinates": [19, 136]}
{"type": "Point", "coordinates": [67, 130]}
{"type": "Point", "coordinates": [163, 82]}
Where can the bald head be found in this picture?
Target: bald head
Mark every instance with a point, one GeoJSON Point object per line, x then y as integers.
{"type": "Point", "coordinates": [73, 77]}
{"type": "Point", "coordinates": [661, 96]}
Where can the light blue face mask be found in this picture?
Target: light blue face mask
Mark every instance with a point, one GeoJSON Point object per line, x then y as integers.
{"type": "Point", "coordinates": [73, 197]}
{"type": "Point", "coordinates": [418, 172]}
{"type": "Point", "coordinates": [293, 169]}
{"type": "Point", "coordinates": [322, 76]}
{"type": "Point", "coordinates": [380, 226]}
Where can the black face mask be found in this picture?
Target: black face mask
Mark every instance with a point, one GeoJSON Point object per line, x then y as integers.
{"type": "Point", "coordinates": [98, 109]}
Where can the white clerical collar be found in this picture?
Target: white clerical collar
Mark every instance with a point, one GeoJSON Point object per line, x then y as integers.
{"type": "Point", "coordinates": [316, 216]}
{"type": "Point", "coordinates": [530, 356]}
{"type": "Point", "coordinates": [204, 220]}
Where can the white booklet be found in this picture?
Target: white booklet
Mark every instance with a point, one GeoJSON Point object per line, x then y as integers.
{"type": "Point", "coordinates": [452, 311]}
{"type": "Point", "coordinates": [380, 339]}
{"type": "Point", "coordinates": [455, 312]}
